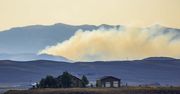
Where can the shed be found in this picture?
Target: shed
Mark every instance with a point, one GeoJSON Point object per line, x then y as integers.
{"type": "Point", "coordinates": [108, 81]}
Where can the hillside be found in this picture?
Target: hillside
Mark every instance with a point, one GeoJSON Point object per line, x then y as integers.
{"type": "Point", "coordinates": [37, 37]}
{"type": "Point", "coordinates": [131, 72]}
{"type": "Point", "coordinates": [32, 57]}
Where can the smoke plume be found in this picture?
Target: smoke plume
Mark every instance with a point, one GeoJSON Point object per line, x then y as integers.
{"type": "Point", "coordinates": [118, 44]}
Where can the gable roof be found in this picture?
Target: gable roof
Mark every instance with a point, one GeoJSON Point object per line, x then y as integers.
{"type": "Point", "coordinates": [106, 77]}
{"type": "Point", "coordinates": [76, 77]}
{"type": "Point", "coordinates": [73, 77]}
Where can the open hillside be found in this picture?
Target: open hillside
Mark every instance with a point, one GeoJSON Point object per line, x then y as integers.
{"type": "Point", "coordinates": [147, 71]}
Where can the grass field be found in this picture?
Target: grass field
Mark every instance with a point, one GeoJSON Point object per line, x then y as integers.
{"type": "Point", "coordinates": [129, 90]}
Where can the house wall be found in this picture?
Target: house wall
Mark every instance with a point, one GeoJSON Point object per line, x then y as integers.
{"type": "Point", "coordinates": [76, 82]}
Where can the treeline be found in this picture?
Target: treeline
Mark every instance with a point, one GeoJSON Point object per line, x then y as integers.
{"type": "Point", "coordinates": [66, 80]}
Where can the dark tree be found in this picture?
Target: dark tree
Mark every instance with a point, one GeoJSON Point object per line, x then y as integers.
{"type": "Point", "coordinates": [51, 82]}
{"type": "Point", "coordinates": [48, 82]}
{"type": "Point", "coordinates": [66, 80]}
{"type": "Point", "coordinates": [85, 81]}
{"type": "Point", "coordinates": [42, 83]}
{"type": "Point", "coordinates": [59, 81]}
{"type": "Point", "coordinates": [63, 81]}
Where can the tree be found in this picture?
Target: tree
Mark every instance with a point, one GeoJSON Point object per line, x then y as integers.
{"type": "Point", "coordinates": [59, 81]}
{"type": "Point", "coordinates": [51, 82]}
{"type": "Point", "coordinates": [66, 80]}
{"type": "Point", "coordinates": [48, 82]}
{"type": "Point", "coordinates": [85, 81]}
{"type": "Point", "coordinates": [62, 81]}
{"type": "Point", "coordinates": [42, 83]}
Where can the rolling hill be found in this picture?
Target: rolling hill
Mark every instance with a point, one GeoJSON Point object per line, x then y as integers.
{"type": "Point", "coordinates": [165, 72]}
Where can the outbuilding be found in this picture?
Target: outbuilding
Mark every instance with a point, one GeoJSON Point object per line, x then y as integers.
{"type": "Point", "coordinates": [109, 82]}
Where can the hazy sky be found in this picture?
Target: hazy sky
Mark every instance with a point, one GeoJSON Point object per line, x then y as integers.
{"type": "Point", "coordinates": [15, 13]}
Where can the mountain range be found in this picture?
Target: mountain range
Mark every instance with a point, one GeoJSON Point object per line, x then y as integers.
{"type": "Point", "coordinates": [37, 37]}
{"type": "Point", "coordinates": [15, 41]}
{"type": "Point", "coordinates": [21, 66]}
{"type": "Point", "coordinates": [31, 57]}
{"type": "Point", "coordinates": [162, 70]}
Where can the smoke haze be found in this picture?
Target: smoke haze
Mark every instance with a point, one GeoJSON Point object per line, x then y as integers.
{"type": "Point", "coordinates": [117, 44]}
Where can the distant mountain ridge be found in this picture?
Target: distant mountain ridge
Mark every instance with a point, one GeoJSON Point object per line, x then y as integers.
{"type": "Point", "coordinates": [37, 37]}
{"type": "Point", "coordinates": [160, 58]}
{"type": "Point", "coordinates": [32, 57]}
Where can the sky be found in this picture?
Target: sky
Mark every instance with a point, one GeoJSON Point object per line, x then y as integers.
{"type": "Point", "coordinates": [99, 44]}
{"type": "Point", "coordinates": [15, 13]}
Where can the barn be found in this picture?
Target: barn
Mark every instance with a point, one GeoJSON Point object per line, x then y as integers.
{"type": "Point", "coordinates": [109, 82]}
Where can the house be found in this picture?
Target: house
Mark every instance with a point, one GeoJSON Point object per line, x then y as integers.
{"type": "Point", "coordinates": [108, 81]}
{"type": "Point", "coordinates": [76, 82]}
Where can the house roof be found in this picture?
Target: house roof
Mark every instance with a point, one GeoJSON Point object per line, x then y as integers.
{"type": "Point", "coordinates": [105, 77]}
{"type": "Point", "coordinates": [74, 77]}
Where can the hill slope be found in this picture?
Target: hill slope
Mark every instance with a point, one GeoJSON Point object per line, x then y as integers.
{"type": "Point", "coordinates": [31, 57]}
{"type": "Point", "coordinates": [131, 72]}
{"type": "Point", "coordinates": [37, 37]}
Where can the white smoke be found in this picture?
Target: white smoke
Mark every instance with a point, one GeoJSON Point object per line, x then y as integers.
{"type": "Point", "coordinates": [117, 44]}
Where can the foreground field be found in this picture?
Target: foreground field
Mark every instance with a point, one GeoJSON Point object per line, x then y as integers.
{"type": "Point", "coordinates": [131, 90]}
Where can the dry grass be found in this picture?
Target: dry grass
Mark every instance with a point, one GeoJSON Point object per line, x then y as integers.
{"type": "Point", "coordinates": [130, 90]}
